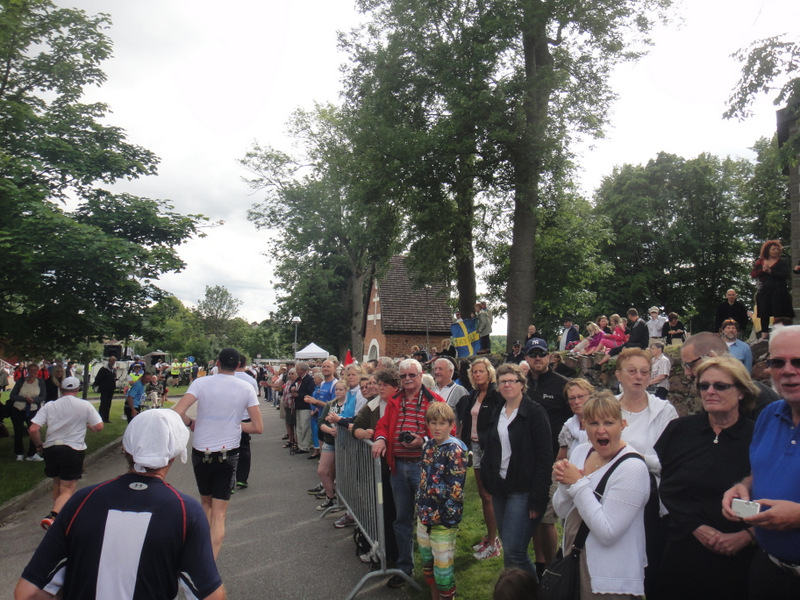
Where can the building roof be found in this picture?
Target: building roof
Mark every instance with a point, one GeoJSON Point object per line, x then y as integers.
{"type": "Point", "coordinates": [408, 310]}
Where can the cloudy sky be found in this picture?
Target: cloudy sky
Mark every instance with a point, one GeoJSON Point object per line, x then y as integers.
{"type": "Point", "coordinates": [197, 82]}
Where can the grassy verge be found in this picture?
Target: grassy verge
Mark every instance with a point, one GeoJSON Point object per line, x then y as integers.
{"type": "Point", "coordinates": [19, 477]}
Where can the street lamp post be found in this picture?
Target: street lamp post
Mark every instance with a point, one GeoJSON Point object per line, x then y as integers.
{"type": "Point", "coordinates": [296, 321]}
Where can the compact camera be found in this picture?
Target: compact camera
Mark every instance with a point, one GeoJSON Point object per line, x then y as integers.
{"type": "Point", "coordinates": [745, 508]}
{"type": "Point", "coordinates": [406, 437]}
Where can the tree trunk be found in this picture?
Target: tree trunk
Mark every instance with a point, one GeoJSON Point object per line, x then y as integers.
{"type": "Point", "coordinates": [462, 237]}
{"type": "Point", "coordinates": [528, 161]}
{"type": "Point", "coordinates": [356, 288]}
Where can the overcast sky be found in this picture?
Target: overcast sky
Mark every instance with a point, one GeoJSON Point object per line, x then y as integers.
{"type": "Point", "coordinates": [197, 82]}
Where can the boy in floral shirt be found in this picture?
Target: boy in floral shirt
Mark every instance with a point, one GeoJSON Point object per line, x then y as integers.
{"type": "Point", "coordinates": [440, 500]}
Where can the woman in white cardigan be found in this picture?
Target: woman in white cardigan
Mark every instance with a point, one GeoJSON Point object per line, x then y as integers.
{"type": "Point", "coordinates": [613, 559]}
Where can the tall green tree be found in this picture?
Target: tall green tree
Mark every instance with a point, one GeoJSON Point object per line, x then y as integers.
{"type": "Point", "coordinates": [423, 88]}
{"type": "Point", "coordinates": [678, 235]}
{"type": "Point", "coordinates": [217, 309]}
{"type": "Point", "coordinates": [769, 66]}
{"type": "Point", "coordinates": [332, 238]}
{"type": "Point", "coordinates": [77, 274]}
{"type": "Point", "coordinates": [526, 77]}
{"type": "Point", "coordinates": [766, 198]}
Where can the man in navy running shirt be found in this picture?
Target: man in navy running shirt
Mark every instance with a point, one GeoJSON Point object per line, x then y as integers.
{"type": "Point", "coordinates": [131, 537]}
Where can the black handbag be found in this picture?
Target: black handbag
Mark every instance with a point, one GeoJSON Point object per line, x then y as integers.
{"type": "Point", "coordinates": [561, 578]}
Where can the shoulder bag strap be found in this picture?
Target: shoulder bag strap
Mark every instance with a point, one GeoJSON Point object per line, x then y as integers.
{"type": "Point", "coordinates": [583, 530]}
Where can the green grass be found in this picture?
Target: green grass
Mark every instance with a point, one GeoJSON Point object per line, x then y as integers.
{"type": "Point", "coordinates": [475, 579]}
{"type": "Point", "coordinates": [19, 477]}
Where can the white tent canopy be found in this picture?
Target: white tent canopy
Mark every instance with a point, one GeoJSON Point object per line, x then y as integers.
{"type": "Point", "coordinates": [311, 351]}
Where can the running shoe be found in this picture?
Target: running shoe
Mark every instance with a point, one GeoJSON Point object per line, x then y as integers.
{"type": "Point", "coordinates": [490, 551]}
{"type": "Point", "coordinates": [344, 521]}
{"type": "Point", "coordinates": [241, 484]}
{"type": "Point", "coordinates": [34, 458]}
{"type": "Point", "coordinates": [315, 490]}
{"type": "Point", "coordinates": [329, 503]}
{"type": "Point", "coordinates": [480, 546]}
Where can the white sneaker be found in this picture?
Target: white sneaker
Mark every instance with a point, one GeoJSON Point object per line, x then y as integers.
{"type": "Point", "coordinates": [368, 557]}
{"type": "Point", "coordinates": [20, 457]}
{"type": "Point", "coordinates": [490, 551]}
{"type": "Point", "coordinates": [480, 546]}
{"type": "Point", "coordinates": [34, 458]}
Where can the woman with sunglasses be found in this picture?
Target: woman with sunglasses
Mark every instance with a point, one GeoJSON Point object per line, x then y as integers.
{"type": "Point", "coordinates": [702, 456]}
{"type": "Point", "coordinates": [516, 466]}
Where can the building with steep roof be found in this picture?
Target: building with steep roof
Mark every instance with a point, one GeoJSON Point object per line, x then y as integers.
{"type": "Point", "coordinates": [399, 316]}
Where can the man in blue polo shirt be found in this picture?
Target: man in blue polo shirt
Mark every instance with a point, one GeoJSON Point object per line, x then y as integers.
{"type": "Point", "coordinates": [775, 479]}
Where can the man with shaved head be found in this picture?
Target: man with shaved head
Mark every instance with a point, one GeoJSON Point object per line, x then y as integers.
{"type": "Point", "coordinates": [731, 308]}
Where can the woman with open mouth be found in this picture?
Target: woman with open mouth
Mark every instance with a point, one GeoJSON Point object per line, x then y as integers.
{"type": "Point", "coordinates": [702, 456]}
{"type": "Point", "coordinates": [613, 559]}
{"type": "Point", "coordinates": [647, 417]}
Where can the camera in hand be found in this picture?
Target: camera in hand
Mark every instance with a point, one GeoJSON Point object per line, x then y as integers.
{"type": "Point", "coordinates": [406, 437]}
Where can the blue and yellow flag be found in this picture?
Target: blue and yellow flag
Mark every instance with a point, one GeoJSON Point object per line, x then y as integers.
{"type": "Point", "coordinates": [465, 337]}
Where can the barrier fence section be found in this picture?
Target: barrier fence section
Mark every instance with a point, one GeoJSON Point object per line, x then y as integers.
{"type": "Point", "coordinates": [359, 487]}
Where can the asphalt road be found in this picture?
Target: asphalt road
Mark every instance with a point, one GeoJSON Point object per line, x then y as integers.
{"type": "Point", "coordinates": [275, 547]}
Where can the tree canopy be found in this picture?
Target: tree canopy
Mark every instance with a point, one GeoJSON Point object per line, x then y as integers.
{"type": "Point", "coordinates": [80, 260]}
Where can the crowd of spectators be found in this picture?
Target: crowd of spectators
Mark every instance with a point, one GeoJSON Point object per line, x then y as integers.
{"type": "Point", "coordinates": [540, 439]}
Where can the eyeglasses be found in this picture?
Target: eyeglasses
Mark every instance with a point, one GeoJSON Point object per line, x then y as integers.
{"type": "Point", "coordinates": [642, 372]}
{"type": "Point", "coordinates": [508, 381]}
{"type": "Point", "coordinates": [537, 353]}
{"type": "Point", "coordinates": [408, 375]}
{"type": "Point", "coordinates": [780, 363]}
{"type": "Point", "coordinates": [692, 363]}
{"type": "Point", "coordinates": [717, 385]}
{"type": "Point", "coordinates": [578, 398]}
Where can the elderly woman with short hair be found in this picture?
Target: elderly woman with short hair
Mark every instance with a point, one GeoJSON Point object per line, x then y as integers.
{"type": "Point", "coordinates": [707, 556]}
{"type": "Point", "coordinates": [577, 392]}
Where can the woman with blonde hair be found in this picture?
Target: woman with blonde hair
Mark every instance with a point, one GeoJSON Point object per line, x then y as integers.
{"type": "Point", "coordinates": [613, 560]}
{"type": "Point", "coordinates": [481, 402]}
{"type": "Point", "coordinates": [707, 556]}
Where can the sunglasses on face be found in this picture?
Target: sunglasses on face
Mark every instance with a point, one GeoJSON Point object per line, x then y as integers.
{"type": "Point", "coordinates": [408, 375]}
{"type": "Point", "coordinates": [537, 354]}
{"type": "Point", "coordinates": [717, 385]}
{"type": "Point", "coordinates": [780, 363]}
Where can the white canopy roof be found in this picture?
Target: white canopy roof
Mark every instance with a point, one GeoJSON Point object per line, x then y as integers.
{"type": "Point", "coordinates": [311, 351]}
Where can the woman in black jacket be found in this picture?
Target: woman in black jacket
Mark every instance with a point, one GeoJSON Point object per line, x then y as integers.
{"type": "Point", "coordinates": [516, 466]}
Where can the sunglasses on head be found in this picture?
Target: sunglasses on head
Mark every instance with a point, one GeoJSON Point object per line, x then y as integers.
{"type": "Point", "coordinates": [717, 385]}
{"type": "Point", "coordinates": [780, 363]}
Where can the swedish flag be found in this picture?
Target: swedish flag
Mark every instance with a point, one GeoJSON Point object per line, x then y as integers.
{"type": "Point", "coordinates": [465, 337]}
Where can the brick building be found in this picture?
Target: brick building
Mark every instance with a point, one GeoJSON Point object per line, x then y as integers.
{"type": "Point", "coordinates": [399, 316]}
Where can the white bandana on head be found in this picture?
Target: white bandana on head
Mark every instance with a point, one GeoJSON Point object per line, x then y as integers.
{"type": "Point", "coordinates": [154, 438]}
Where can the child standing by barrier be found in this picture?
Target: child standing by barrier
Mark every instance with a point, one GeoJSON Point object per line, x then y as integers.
{"type": "Point", "coordinates": [440, 500]}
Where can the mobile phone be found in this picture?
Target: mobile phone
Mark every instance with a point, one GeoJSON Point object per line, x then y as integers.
{"type": "Point", "coordinates": [745, 508]}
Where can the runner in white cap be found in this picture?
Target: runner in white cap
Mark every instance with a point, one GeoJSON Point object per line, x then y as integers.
{"type": "Point", "coordinates": [66, 420]}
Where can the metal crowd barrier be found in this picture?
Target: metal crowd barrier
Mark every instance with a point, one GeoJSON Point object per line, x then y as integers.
{"type": "Point", "coordinates": [359, 487]}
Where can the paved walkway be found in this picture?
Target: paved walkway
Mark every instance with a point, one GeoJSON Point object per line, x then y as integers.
{"type": "Point", "coordinates": [275, 545]}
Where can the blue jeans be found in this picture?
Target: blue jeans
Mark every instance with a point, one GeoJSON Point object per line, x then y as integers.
{"type": "Point", "coordinates": [516, 529]}
{"type": "Point", "coordinates": [405, 483]}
